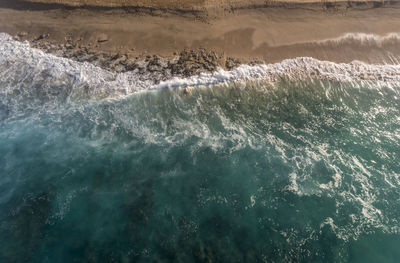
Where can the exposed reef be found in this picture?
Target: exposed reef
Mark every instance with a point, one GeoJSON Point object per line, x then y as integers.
{"type": "Point", "coordinates": [185, 63]}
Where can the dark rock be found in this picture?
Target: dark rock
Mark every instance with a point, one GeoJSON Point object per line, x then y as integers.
{"type": "Point", "coordinates": [256, 62]}
{"type": "Point", "coordinates": [22, 34]}
{"type": "Point", "coordinates": [130, 65]}
{"type": "Point", "coordinates": [43, 36]}
{"type": "Point", "coordinates": [194, 62]}
{"type": "Point", "coordinates": [68, 46]}
{"type": "Point", "coordinates": [231, 63]}
{"type": "Point", "coordinates": [155, 63]}
{"type": "Point", "coordinates": [102, 38]}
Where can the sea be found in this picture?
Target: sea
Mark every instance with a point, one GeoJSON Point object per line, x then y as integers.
{"type": "Point", "coordinates": [297, 161]}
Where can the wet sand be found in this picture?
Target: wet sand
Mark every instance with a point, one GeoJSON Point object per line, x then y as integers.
{"type": "Point", "coordinates": [264, 34]}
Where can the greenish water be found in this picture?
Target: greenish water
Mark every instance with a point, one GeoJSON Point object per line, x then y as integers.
{"type": "Point", "coordinates": [303, 171]}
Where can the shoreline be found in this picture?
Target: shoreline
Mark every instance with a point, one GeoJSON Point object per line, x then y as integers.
{"type": "Point", "coordinates": [178, 43]}
{"type": "Point", "coordinates": [154, 74]}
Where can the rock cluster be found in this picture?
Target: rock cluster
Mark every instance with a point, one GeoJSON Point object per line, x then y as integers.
{"type": "Point", "coordinates": [184, 64]}
{"type": "Point", "coordinates": [193, 62]}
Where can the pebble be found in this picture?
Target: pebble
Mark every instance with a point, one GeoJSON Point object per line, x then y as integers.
{"type": "Point", "coordinates": [102, 38]}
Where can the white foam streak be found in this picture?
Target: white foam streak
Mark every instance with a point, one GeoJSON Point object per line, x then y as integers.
{"type": "Point", "coordinates": [364, 39]}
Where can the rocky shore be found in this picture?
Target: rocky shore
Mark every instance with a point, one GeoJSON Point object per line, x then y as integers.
{"type": "Point", "coordinates": [186, 63]}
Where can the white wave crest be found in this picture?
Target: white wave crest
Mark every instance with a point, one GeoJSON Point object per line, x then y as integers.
{"type": "Point", "coordinates": [364, 39]}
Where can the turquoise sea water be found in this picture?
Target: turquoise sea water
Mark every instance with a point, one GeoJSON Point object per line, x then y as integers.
{"type": "Point", "coordinates": [295, 171]}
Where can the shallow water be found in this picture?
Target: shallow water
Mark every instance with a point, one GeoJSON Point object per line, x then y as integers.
{"type": "Point", "coordinates": [259, 170]}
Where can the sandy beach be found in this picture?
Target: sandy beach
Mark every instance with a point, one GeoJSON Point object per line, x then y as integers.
{"type": "Point", "coordinates": [334, 31]}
